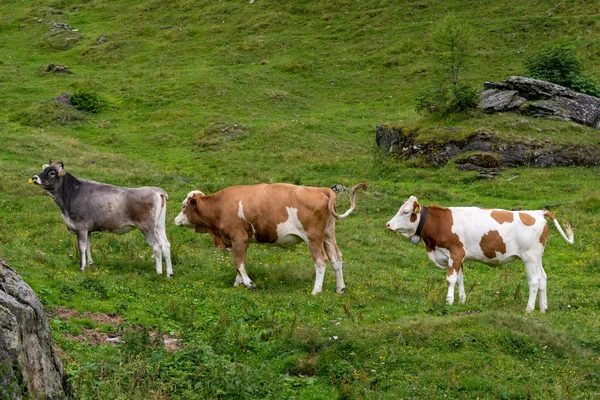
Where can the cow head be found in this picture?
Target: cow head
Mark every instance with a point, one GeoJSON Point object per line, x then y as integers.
{"type": "Point", "coordinates": [188, 208]}
{"type": "Point", "coordinates": [51, 176]}
{"type": "Point", "coordinates": [407, 219]}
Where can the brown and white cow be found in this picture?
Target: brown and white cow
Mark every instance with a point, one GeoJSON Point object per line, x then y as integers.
{"type": "Point", "coordinates": [491, 236]}
{"type": "Point", "coordinates": [278, 214]}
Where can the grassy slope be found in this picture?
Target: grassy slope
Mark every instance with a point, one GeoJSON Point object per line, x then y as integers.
{"type": "Point", "coordinates": [309, 81]}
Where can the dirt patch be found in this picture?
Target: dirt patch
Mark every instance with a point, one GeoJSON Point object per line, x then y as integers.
{"type": "Point", "coordinates": [94, 337]}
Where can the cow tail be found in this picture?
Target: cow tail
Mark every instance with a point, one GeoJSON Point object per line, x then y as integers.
{"type": "Point", "coordinates": [332, 198]}
{"type": "Point", "coordinates": [569, 238]}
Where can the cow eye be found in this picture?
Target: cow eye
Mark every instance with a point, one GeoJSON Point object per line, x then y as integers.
{"type": "Point", "coordinates": [51, 173]}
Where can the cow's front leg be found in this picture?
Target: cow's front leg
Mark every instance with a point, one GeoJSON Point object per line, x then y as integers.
{"type": "Point", "coordinates": [462, 296]}
{"type": "Point", "coordinates": [82, 239]}
{"type": "Point", "coordinates": [239, 253]}
{"type": "Point", "coordinates": [451, 278]}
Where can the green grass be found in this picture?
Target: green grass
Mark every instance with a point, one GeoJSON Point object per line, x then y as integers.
{"type": "Point", "coordinates": [205, 95]}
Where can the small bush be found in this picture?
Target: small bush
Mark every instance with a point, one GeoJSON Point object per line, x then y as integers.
{"type": "Point", "coordinates": [447, 94]}
{"type": "Point", "coordinates": [560, 64]}
{"type": "Point", "coordinates": [85, 101]}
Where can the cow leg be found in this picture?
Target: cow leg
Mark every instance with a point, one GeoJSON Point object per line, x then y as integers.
{"type": "Point", "coordinates": [154, 243]}
{"type": "Point", "coordinates": [532, 268]}
{"type": "Point", "coordinates": [240, 248]}
{"type": "Point", "coordinates": [238, 280]}
{"type": "Point", "coordinates": [165, 246]}
{"type": "Point", "coordinates": [89, 249]}
{"type": "Point", "coordinates": [462, 296]}
{"type": "Point", "coordinates": [451, 278]}
{"type": "Point", "coordinates": [320, 258]}
{"type": "Point", "coordinates": [543, 298]}
{"type": "Point", "coordinates": [82, 241]}
{"type": "Point", "coordinates": [335, 256]}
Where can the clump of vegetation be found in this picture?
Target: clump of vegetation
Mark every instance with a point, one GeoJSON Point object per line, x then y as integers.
{"type": "Point", "coordinates": [59, 39]}
{"type": "Point", "coordinates": [559, 64]}
{"type": "Point", "coordinates": [447, 93]}
{"type": "Point", "coordinates": [46, 113]}
{"type": "Point", "coordinates": [86, 101]}
{"type": "Point", "coordinates": [218, 133]}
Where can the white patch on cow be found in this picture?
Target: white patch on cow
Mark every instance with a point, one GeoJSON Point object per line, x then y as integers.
{"type": "Point", "coordinates": [241, 212]}
{"type": "Point", "coordinates": [181, 220]}
{"type": "Point", "coordinates": [192, 193]}
{"type": "Point", "coordinates": [291, 231]}
{"type": "Point", "coordinates": [441, 257]}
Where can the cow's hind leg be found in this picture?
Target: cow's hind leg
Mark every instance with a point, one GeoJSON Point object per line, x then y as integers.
{"type": "Point", "coordinates": [89, 249]}
{"type": "Point", "coordinates": [165, 246]}
{"type": "Point", "coordinates": [82, 242]}
{"type": "Point", "coordinates": [320, 259]}
{"type": "Point", "coordinates": [154, 242]}
{"type": "Point", "coordinates": [543, 298]}
{"type": "Point", "coordinates": [534, 270]}
{"type": "Point", "coordinates": [335, 256]}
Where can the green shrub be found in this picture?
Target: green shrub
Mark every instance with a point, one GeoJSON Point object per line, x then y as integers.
{"type": "Point", "coordinates": [559, 64]}
{"type": "Point", "coordinates": [447, 94]}
{"type": "Point", "coordinates": [86, 101]}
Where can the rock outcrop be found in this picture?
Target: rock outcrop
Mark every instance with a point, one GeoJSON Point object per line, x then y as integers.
{"type": "Point", "coordinates": [537, 98]}
{"type": "Point", "coordinates": [29, 367]}
{"type": "Point", "coordinates": [482, 149]}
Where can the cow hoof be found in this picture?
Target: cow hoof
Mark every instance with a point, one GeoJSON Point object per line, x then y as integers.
{"type": "Point", "coordinates": [340, 291]}
{"type": "Point", "coordinates": [251, 286]}
{"type": "Point", "coordinates": [315, 292]}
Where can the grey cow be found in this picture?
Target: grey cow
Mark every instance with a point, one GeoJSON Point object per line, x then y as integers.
{"type": "Point", "coordinates": [88, 206]}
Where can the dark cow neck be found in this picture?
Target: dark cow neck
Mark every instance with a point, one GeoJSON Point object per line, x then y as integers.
{"type": "Point", "coordinates": [424, 213]}
{"type": "Point", "coordinates": [66, 192]}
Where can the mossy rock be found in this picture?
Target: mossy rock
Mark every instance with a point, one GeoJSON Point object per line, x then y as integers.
{"type": "Point", "coordinates": [480, 159]}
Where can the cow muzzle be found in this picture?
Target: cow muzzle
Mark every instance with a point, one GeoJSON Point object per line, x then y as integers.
{"type": "Point", "coordinates": [34, 179]}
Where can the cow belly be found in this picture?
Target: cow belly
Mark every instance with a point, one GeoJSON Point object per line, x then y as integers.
{"type": "Point", "coordinates": [441, 257]}
{"type": "Point", "coordinates": [291, 231]}
{"type": "Point", "coordinates": [120, 230]}
{"type": "Point", "coordinates": [498, 260]}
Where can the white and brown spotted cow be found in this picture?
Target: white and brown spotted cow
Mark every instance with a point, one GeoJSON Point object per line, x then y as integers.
{"type": "Point", "coordinates": [493, 237]}
{"type": "Point", "coordinates": [278, 214]}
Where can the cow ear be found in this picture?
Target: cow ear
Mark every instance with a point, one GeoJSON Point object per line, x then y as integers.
{"type": "Point", "coordinates": [192, 203]}
{"type": "Point", "coordinates": [61, 171]}
{"type": "Point", "coordinates": [416, 207]}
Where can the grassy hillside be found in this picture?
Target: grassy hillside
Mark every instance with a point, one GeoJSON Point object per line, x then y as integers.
{"type": "Point", "coordinates": [208, 94]}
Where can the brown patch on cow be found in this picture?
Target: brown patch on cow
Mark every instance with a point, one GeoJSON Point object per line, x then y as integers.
{"type": "Point", "coordinates": [526, 219]}
{"type": "Point", "coordinates": [502, 216]}
{"type": "Point", "coordinates": [413, 217]}
{"type": "Point", "coordinates": [549, 215]}
{"type": "Point", "coordinates": [141, 212]}
{"type": "Point", "coordinates": [544, 235]}
{"type": "Point", "coordinates": [437, 232]}
{"type": "Point", "coordinates": [492, 243]}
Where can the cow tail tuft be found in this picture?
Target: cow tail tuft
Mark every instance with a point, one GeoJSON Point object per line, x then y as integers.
{"type": "Point", "coordinates": [568, 237]}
